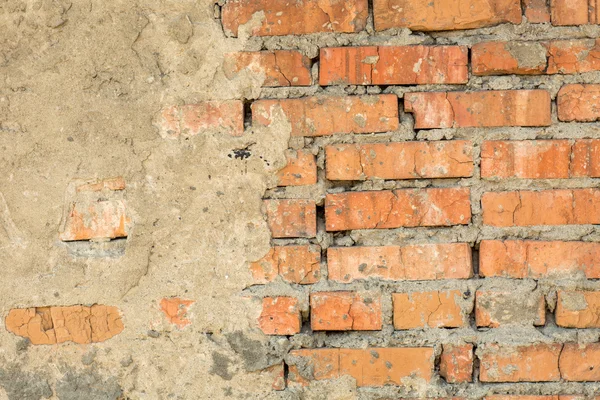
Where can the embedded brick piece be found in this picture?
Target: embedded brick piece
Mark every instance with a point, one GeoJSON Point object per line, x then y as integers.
{"type": "Point", "coordinates": [441, 15]}
{"type": "Point", "coordinates": [279, 67]}
{"type": "Point", "coordinates": [301, 169]}
{"type": "Point", "coordinates": [547, 207]}
{"type": "Point", "coordinates": [496, 308]}
{"type": "Point", "coordinates": [569, 12]}
{"type": "Point", "coordinates": [527, 363]}
{"type": "Point", "coordinates": [295, 264]}
{"type": "Point", "coordinates": [291, 218]}
{"type": "Point", "coordinates": [411, 262]}
{"type": "Point", "coordinates": [456, 363]}
{"type": "Point", "coordinates": [176, 309]}
{"type": "Point", "coordinates": [501, 58]}
{"type": "Point", "coordinates": [585, 160]}
{"type": "Point", "coordinates": [578, 309]}
{"type": "Point", "coordinates": [397, 208]}
{"type": "Point", "coordinates": [280, 316]}
{"type": "Point", "coordinates": [345, 311]}
{"type": "Point", "coordinates": [573, 56]}
{"type": "Point", "coordinates": [579, 103]}
{"type": "Point", "coordinates": [319, 116]}
{"type": "Point", "coordinates": [536, 11]}
{"type": "Point", "coordinates": [393, 65]}
{"type": "Point", "coordinates": [580, 362]}
{"type": "Point", "coordinates": [370, 366]}
{"type": "Point", "coordinates": [273, 18]}
{"type": "Point", "coordinates": [429, 310]}
{"type": "Point", "coordinates": [52, 325]}
{"type": "Point", "coordinates": [479, 109]}
{"type": "Point", "coordinates": [404, 160]}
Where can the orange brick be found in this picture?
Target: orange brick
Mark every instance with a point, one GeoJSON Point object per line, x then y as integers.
{"type": "Point", "coordinates": [495, 308]}
{"type": "Point", "coordinates": [580, 362]}
{"type": "Point", "coordinates": [295, 18]}
{"type": "Point", "coordinates": [578, 309]}
{"type": "Point", "coordinates": [411, 262]}
{"type": "Point", "coordinates": [176, 309]}
{"type": "Point", "coordinates": [393, 65]}
{"type": "Point", "coordinates": [319, 116]}
{"type": "Point", "coordinates": [295, 264]}
{"type": "Point", "coordinates": [585, 160]}
{"type": "Point", "coordinates": [429, 310]}
{"type": "Point", "coordinates": [441, 15]}
{"type": "Point", "coordinates": [503, 58]}
{"type": "Point", "coordinates": [526, 363]}
{"type": "Point", "coordinates": [397, 208]}
{"type": "Point", "coordinates": [530, 159]}
{"type": "Point", "coordinates": [536, 259]}
{"type": "Point", "coordinates": [370, 367]}
{"type": "Point", "coordinates": [112, 184]}
{"type": "Point", "coordinates": [536, 11]}
{"type": "Point", "coordinates": [279, 67]}
{"type": "Point", "coordinates": [52, 325]}
{"type": "Point", "coordinates": [301, 169]}
{"type": "Point", "coordinates": [547, 207]}
{"type": "Point", "coordinates": [280, 316]}
{"type": "Point", "coordinates": [569, 12]}
{"type": "Point", "coordinates": [479, 109]}
{"type": "Point", "coordinates": [579, 103]}
{"type": "Point", "coordinates": [573, 56]}
{"type": "Point", "coordinates": [456, 363]}
{"type": "Point", "coordinates": [291, 218]}
{"type": "Point", "coordinates": [405, 160]}
{"type": "Point", "coordinates": [345, 311]}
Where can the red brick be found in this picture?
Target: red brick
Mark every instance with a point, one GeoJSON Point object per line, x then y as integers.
{"type": "Point", "coordinates": [301, 169]}
{"type": "Point", "coordinates": [280, 316]}
{"type": "Point", "coordinates": [479, 109]}
{"type": "Point", "coordinates": [494, 308]}
{"type": "Point", "coordinates": [397, 208]}
{"type": "Point", "coordinates": [275, 68]}
{"type": "Point", "coordinates": [176, 310]}
{"type": "Point", "coordinates": [526, 363]}
{"type": "Point", "coordinates": [295, 18]}
{"type": "Point", "coordinates": [503, 58]}
{"type": "Point", "coordinates": [277, 372]}
{"type": "Point", "coordinates": [456, 363]}
{"type": "Point", "coordinates": [569, 12]}
{"type": "Point", "coordinates": [585, 161]}
{"type": "Point", "coordinates": [573, 56]}
{"type": "Point", "coordinates": [295, 264]}
{"type": "Point", "coordinates": [440, 15]}
{"type": "Point", "coordinates": [547, 207]}
{"type": "Point", "coordinates": [578, 309]}
{"type": "Point", "coordinates": [370, 366]}
{"type": "Point", "coordinates": [345, 311]}
{"type": "Point", "coordinates": [580, 362]}
{"type": "Point", "coordinates": [536, 259]}
{"type": "Point", "coordinates": [291, 218]}
{"type": "Point", "coordinates": [579, 103]}
{"type": "Point", "coordinates": [319, 116]}
{"type": "Point", "coordinates": [435, 309]}
{"type": "Point", "coordinates": [536, 11]}
{"type": "Point", "coordinates": [405, 160]}
{"type": "Point", "coordinates": [393, 65]}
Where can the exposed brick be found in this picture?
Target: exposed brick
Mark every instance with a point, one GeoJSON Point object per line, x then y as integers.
{"type": "Point", "coordinates": [585, 160]}
{"type": "Point", "coordinates": [280, 316]}
{"type": "Point", "coordinates": [295, 264]}
{"type": "Point", "coordinates": [370, 366]}
{"type": "Point", "coordinates": [456, 363]}
{"type": "Point", "coordinates": [176, 310]}
{"type": "Point", "coordinates": [547, 207]}
{"type": "Point", "coordinates": [441, 15]}
{"type": "Point", "coordinates": [277, 372]}
{"type": "Point", "coordinates": [578, 309]}
{"type": "Point", "coordinates": [404, 160]}
{"type": "Point", "coordinates": [569, 12]}
{"type": "Point", "coordinates": [319, 116]}
{"type": "Point", "coordinates": [411, 262]}
{"type": "Point", "coordinates": [494, 308]}
{"type": "Point", "coordinates": [536, 259]}
{"type": "Point", "coordinates": [479, 109]}
{"type": "Point", "coordinates": [435, 309]}
{"type": "Point", "coordinates": [291, 218]}
{"type": "Point", "coordinates": [345, 311]}
{"type": "Point", "coordinates": [393, 65]}
{"type": "Point", "coordinates": [52, 325]}
{"type": "Point", "coordinates": [279, 67]}
{"type": "Point", "coordinates": [573, 56]}
{"type": "Point", "coordinates": [502, 58]}
{"type": "Point", "coordinates": [111, 184]}
{"type": "Point", "coordinates": [526, 363]}
{"type": "Point", "coordinates": [295, 18]}
{"type": "Point", "coordinates": [579, 103]}
{"type": "Point", "coordinates": [301, 169]}
{"type": "Point", "coordinates": [536, 11]}
{"type": "Point", "coordinates": [580, 362]}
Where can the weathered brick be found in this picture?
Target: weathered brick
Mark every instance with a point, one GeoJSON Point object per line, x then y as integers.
{"type": "Point", "coordinates": [295, 264]}
{"type": "Point", "coordinates": [502, 58]}
{"type": "Point", "coordinates": [291, 218]}
{"type": "Point", "coordinates": [578, 309]}
{"type": "Point", "coordinates": [479, 109]}
{"type": "Point", "coordinates": [580, 362]}
{"type": "Point", "coordinates": [276, 68]}
{"type": "Point", "coordinates": [536, 11]}
{"type": "Point", "coordinates": [52, 325]}
{"type": "Point", "coordinates": [573, 56]}
{"type": "Point", "coordinates": [536, 259]}
{"type": "Point", "coordinates": [579, 103]}
{"type": "Point", "coordinates": [370, 366]}
{"type": "Point", "coordinates": [345, 311]}
{"type": "Point", "coordinates": [176, 310]}
{"type": "Point", "coordinates": [585, 161]}
{"type": "Point", "coordinates": [456, 363]}
{"type": "Point", "coordinates": [404, 160]}
{"type": "Point", "coordinates": [547, 207]}
{"type": "Point", "coordinates": [393, 65]}
{"type": "Point", "coordinates": [411, 262]}
{"type": "Point", "coordinates": [295, 18]}
{"type": "Point", "coordinates": [494, 308]}
{"type": "Point", "coordinates": [526, 363]}
{"type": "Point", "coordinates": [435, 309]}
{"type": "Point", "coordinates": [397, 208]}
{"type": "Point", "coordinates": [441, 15]}
{"type": "Point", "coordinates": [319, 116]}
{"type": "Point", "coordinates": [280, 316]}
{"type": "Point", "coordinates": [569, 12]}
{"type": "Point", "coordinates": [301, 169]}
